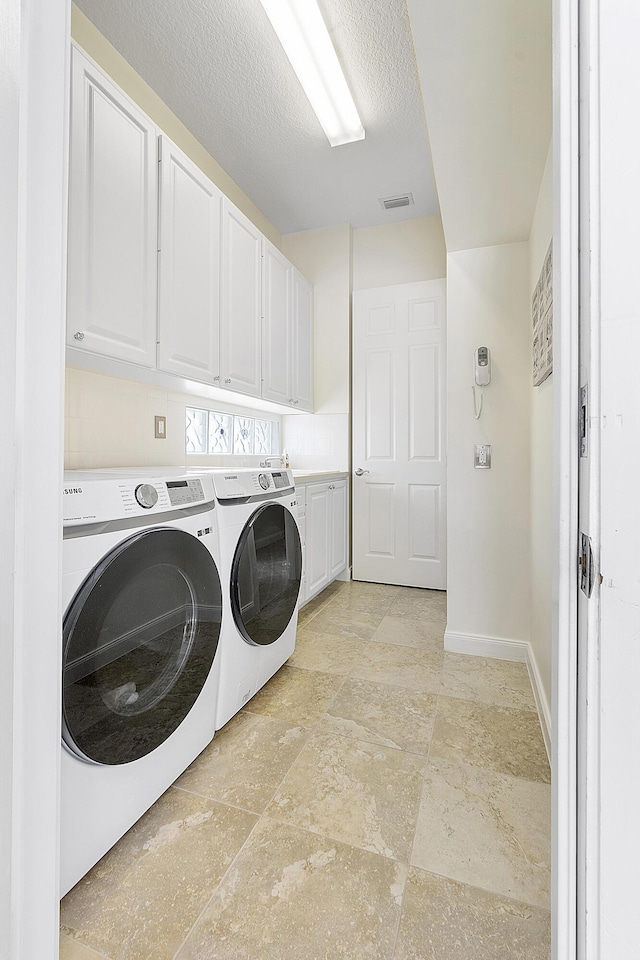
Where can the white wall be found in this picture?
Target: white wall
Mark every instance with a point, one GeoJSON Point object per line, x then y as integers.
{"type": "Point", "coordinates": [402, 252]}
{"type": "Point", "coordinates": [109, 423]}
{"type": "Point", "coordinates": [488, 524]}
{"type": "Point", "coordinates": [321, 440]}
{"type": "Point", "coordinates": [338, 260]}
{"type": "Point", "coordinates": [541, 462]}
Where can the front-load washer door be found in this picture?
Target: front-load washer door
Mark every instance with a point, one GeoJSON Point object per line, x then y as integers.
{"type": "Point", "coordinates": [265, 577]}
{"type": "Point", "coordinates": [139, 640]}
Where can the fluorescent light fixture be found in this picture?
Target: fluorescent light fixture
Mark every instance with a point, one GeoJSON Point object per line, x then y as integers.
{"type": "Point", "coordinates": [302, 32]}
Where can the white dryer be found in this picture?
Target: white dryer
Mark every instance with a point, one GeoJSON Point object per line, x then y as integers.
{"type": "Point", "coordinates": [261, 569]}
{"type": "Point", "coordinates": [141, 666]}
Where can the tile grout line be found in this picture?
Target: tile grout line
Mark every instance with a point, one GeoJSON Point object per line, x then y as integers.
{"type": "Point", "coordinates": [217, 887]}
{"type": "Point", "coordinates": [491, 893]}
{"type": "Point", "coordinates": [102, 956]}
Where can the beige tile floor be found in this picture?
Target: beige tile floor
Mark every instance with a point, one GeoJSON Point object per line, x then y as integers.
{"type": "Point", "coordinates": [379, 799]}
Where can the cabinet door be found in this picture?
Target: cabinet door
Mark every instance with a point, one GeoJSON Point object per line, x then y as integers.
{"type": "Point", "coordinates": [276, 326]}
{"type": "Point", "coordinates": [302, 340]}
{"type": "Point", "coordinates": [338, 515]}
{"type": "Point", "coordinates": [318, 536]}
{"type": "Point", "coordinates": [241, 315]}
{"type": "Point", "coordinates": [113, 187]}
{"type": "Point", "coordinates": [189, 264]}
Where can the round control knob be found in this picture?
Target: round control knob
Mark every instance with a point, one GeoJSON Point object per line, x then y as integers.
{"type": "Point", "coordinates": [146, 495]}
{"type": "Point", "coordinates": [263, 480]}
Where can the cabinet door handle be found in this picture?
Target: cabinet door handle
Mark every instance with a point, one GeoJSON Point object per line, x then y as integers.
{"type": "Point", "coordinates": [78, 335]}
{"type": "Point", "coordinates": [295, 403]}
{"type": "Point", "coordinates": [228, 380]}
{"type": "Point", "coordinates": [216, 379]}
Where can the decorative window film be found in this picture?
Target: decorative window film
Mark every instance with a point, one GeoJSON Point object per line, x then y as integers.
{"type": "Point", "coordinates": [220, 432]}
{"type": "Point", "coordinates": [263, 434]}
{"type": "Point", "coordinates": [209, 431]}
{"type": "Point", "coordinates": [243, 434]}
{"type": "Point", "coordinates": [196, 430]}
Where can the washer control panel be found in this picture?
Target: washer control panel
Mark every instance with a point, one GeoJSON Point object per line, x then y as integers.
{"type": "Point", "coordinates": [182, 492]}
{"type": "Point", "coordinates": [90, 498]}
{"type": "Point", "coordinates": [146, 495]}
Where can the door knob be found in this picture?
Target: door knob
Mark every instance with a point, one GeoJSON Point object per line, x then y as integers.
{"type": "Point", "coordinates": [360, 472]}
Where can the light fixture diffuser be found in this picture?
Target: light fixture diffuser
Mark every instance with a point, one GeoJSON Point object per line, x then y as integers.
{"type": "Point", "coordinates": [303, 34]}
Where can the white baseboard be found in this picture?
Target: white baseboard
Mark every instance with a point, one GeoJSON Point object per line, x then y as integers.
{"type": "Point", "coordinates": [544, 709]}
{"type": "Point", "coordinates": [520, 651]}
{"type": "Point", "coordinates": [493, 647]}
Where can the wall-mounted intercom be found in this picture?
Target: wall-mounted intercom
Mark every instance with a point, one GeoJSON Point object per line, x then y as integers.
{"type": "Point", "coordinates": [482, 359]}
{"type": "Point", "coordinates": [482, 376]}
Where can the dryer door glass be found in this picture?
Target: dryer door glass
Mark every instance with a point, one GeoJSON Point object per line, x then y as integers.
{"type": "Point", "coordinates": [139, 640]}
{"type": "Point", "coordinates": [266, 572]}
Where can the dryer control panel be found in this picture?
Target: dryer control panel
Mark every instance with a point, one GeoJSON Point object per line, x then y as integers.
{"type": "Point", "coordinates": [243, 484]}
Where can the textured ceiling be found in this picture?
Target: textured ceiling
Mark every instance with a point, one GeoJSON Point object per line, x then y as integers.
{"type": "Point", "coordinates": [485, 72]}
{"type": "Point", "coordinates": [219, 67]}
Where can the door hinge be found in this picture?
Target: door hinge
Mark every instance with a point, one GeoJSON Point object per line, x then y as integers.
{"type": "Point", "coordinates": [583, 425]}
{"type": "Point", "coordinates": [586, 565]}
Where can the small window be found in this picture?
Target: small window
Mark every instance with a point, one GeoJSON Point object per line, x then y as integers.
{"type": "Point", "coordinates": [210, 431]}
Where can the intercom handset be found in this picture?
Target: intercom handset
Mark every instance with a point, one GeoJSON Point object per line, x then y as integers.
{"type": "Point", "coordinates": [483, 366]}
{"type": "Point", "coordinates": [482, 376]}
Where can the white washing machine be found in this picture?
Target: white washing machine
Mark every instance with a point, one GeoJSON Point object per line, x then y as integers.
{"type": "Point", "coordinates": [141, 665]}
{"type": "Point", "coordinates": [261, 569]}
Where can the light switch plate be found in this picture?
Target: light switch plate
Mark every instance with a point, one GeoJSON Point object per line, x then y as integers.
{"type": "Point", "coordinates": [160, 425]}
{"type": "Point", "coordinates": [482, 456]}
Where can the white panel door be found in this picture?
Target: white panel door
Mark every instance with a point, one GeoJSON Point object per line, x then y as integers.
{"type": "Point", "coordinates": [302, 340]}
{"type": "Point", "coordinates": [399, 502]}
{"type": "Point", "coordinates": [113, 204]}
{"type": "Point", "coordinates": [189, 263]}
{"type": "Point", "coordinates": [240, 303]}
{"type": "Point", "coordinates": [276, 326]}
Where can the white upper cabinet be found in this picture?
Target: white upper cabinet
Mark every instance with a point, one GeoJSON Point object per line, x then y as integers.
{"type": "Point", "coordinates": [287, 332]}
{"type": "Point", "coordinates": [189, 265]}
{"type": "Point", "coordinates": [276, 326]}
{"type": "Point", "coordinates": [240, 303]}
{"type": "Point", "coordinates": [112, 220]}
{"type": "Point", "coordinates": [302, 340]}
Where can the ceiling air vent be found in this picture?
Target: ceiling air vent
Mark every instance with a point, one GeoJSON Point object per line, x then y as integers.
{"type": "Point", "coordinates": [391, 203]}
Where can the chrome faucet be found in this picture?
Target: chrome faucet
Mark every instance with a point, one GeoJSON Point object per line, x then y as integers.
{"type": "Point", "coordinates": [267, 461]}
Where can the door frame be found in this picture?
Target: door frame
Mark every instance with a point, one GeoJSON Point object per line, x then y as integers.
{"type": "Point", "coordinates": [33, 192]}
{"type": "Point", "coordinates": [575, 747]}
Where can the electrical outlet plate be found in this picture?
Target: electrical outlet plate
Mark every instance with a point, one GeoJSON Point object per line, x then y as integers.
{"type": "Point", "coordinates": [160, 427]}
{"type": "Point", "coordinates": [482, 456]}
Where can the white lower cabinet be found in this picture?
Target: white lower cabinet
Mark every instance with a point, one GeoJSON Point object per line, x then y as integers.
{"type": "Point", "coordinates": [326, 533]}
{"type": "Point", "coordinates": [338, 519]}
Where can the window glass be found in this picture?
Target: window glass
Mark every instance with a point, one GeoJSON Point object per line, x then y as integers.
{"type": "Point", "coordinates": [220, 433]}
{"type": "Point", "coordinates": [210, 431]}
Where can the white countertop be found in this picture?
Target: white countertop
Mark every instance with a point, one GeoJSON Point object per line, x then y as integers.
{"type": "Point", "coordinates": [308, 476]}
